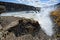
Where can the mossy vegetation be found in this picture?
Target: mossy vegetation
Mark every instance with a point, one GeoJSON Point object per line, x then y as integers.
{"type": "Point", "coordinates": [56, 18]}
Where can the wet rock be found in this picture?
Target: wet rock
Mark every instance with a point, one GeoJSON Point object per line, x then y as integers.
{"type": "Point", "coordinates": [1, 34]}
{"type": "Point", "coordinates": [7, 22]}
{"type": "Point", "coordinates": [14, 7]}
{"type": "Point", "coordinates": [20, 26]}
{"type": "Point", "coordinates": [27, 37]}
{"type": "Point", "coordinates": [25, 26]}
{"type": "Point", "coordinates": [25, 29]}
{"type": "Point", "coordinates": [2, 9]}
{"type": "Point", "coordinates": [0, 27]}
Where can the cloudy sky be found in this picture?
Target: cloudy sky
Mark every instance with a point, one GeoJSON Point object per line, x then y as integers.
{"type": "Point", "coordinates": [34, 2]}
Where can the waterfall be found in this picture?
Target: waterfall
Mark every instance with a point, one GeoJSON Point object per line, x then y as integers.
{"type": "Point", "coordinates": [45, 21]}
{"type": "Point", "coordinates": [43, 17]}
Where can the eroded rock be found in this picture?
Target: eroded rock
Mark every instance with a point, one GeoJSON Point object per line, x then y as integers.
{"type": "Point", "coordinates": [20, 26]}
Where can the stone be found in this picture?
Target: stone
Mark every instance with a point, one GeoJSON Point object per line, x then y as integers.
{"type": "Point", "coordinates": [25, 29]}
{"type": "Point", "coordinates": [20, 26]}
{"type": "Point", "coordinates": [0, 27]}
{"type": "Point", "coordinates": [1, 34]}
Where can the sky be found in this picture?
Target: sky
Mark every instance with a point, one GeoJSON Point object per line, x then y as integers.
{"type": "Point", "coordinates": [37, 3]}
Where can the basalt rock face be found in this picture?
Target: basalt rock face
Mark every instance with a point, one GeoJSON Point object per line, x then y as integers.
{"type": "Point", "coordinates": [14, 7]}
{"type": "Point", "coordinates": [56, 19]}
{"type": "Point", "coordinates": [17, 27]}
{"type": "Point", "coordinates": [24, 27]}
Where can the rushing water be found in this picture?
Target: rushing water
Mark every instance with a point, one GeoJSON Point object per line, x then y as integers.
{"type": "Point", "coordinates": [43, 17]}
{"type": "Point", "coordinates": [45, 20]}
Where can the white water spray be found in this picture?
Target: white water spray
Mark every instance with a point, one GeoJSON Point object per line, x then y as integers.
{"type": "Point", "coordinates": [45, 20]}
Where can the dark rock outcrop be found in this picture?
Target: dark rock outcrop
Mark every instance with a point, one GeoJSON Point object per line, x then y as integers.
{"type": "Point", "coordinates": [20, 26]}
{"type": "Point", "coordinates": [13, 7]}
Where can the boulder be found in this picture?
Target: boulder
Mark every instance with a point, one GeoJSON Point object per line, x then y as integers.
{"type": "Point", "coordinates": [20, 26]}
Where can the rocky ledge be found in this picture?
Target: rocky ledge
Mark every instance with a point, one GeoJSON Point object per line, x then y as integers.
{"type": "Point", "coordinates": [18, 26]}
{"type": "Point", "coordinates": [15, 28]}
